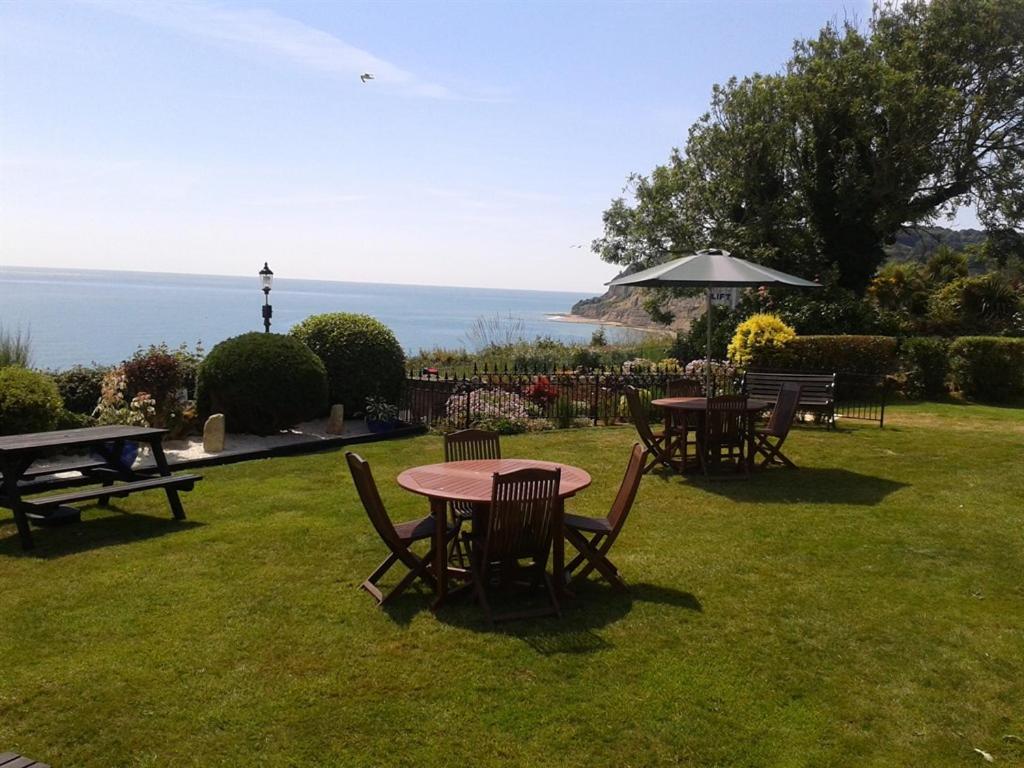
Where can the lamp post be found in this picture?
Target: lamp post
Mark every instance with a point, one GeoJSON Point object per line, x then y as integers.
{"type": "Point", "coordinates": [267, 279]}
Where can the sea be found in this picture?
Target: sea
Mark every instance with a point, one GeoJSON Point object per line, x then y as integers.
{"type": "Point", "coordinates": [77, 316]}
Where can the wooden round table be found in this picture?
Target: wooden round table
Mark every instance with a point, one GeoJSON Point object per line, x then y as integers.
{"type": "Point", "coordinates": [470, 481]}
{"type": "Point", "coordinates": [698, 405]}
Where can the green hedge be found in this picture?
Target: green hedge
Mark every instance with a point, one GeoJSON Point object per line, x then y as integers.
{"type": "Point", "coordinates": [925, 363]}
{"type": "Point", "coordinates": [831, 354]}
{"type": "Point", "coordinates": [262, 383]}
{"type": "Point", "coordinates": [29, 401]}
{"type": "Point", "coordinates": [361, 354]}
{"type": "Point", "coordinates": [988, 367]}
{"type": "Point", "coordinates": [80, 387]}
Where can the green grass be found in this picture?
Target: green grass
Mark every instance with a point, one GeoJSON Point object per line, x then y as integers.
{"type": "Point", "coordinates": [867, 610]}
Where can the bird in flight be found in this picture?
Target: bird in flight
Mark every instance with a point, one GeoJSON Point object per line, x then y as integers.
{"type": "Point", "coordinates": [576, 246]}
{"type": "Point", "coordinates": [365, 76]}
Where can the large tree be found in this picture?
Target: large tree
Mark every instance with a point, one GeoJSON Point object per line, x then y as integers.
{"type": "Point", "coordinates": [816, 168]}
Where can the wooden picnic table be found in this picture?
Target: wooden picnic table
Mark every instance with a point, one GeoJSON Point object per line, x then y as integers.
{"type": "Point", "coordinates": [19, 479]}
{"type": "Point", "coordinates": [678, 428]}
{"type": "Point", "coordinates": [470, 482]}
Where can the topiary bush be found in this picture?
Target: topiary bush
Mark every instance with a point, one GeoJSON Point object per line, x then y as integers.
{"type": "Point", "coordinates": [262, 383]}
{"type": "Point", "coordinates": [988, 368]}
{"type": "Point", "coordinates": [925, 360]}
{"type": "Point", "coordinates": [29, 401]}
{"type": "Point", "coordinates": [873, 355]}
{"type": "Point", "coordinates": [80, 387]}
{"type": "Point", "coordinates": [361, 354]}
{"type": "Point", "coordinates": [760, 330]}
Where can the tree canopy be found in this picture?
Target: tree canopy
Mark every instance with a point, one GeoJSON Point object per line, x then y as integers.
{"type": "Point", "coordinates": [814, 169]}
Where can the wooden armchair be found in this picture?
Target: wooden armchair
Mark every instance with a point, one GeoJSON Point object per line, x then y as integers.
{"type": "Point", "coordinates": [519, 527]}
{"type": "Point", "coordinates": [723, 435]}
{"type": "Point", "coordinates": [768, 441]}
{"type": "Point", "coordinates": [602, 532]}
{"type": "Point", "coordinates": [398, 538]}
{"type": "Point", "coordinates": [655, 444]}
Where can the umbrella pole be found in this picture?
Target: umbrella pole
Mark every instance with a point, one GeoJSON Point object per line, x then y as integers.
{"type": "Point", "coordinates": [707, 357]}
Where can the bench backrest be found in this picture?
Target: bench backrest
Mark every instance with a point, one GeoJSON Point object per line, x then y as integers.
{"type": "Point", "coordinates": [814, 387]}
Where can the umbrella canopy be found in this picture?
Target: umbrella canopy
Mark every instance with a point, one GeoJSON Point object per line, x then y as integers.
{"type": "Point", "coordinates": [710, 268]}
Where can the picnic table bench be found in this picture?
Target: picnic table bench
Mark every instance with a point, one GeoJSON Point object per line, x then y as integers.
{"type": "Point", "coordinates": [20, 481]}
{"type": "Point", "coordinates": [817, 393]}
{"type": "Point", "coordinates": [14, 760]}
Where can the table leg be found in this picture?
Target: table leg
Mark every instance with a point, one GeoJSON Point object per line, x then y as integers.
{"type": "Point", "coordinates": [439, 509]}
{"type": "Point", "coordinates": [558, 551]}
{"type": "Point", "coordinates": [13, 470]}
{"type": "Point", "coordinates": [156, 445]}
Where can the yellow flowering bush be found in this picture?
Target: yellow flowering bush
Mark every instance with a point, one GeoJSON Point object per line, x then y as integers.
{"type": "Point", "coordinates": [761, 330]}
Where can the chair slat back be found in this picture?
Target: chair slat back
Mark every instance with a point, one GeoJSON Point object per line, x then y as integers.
{"type": "Point", "coordinates": [472, 444]}
{"type": "Point", "coordinates": [368, 494]}
{"type": "Point", "coordinates": [785, 409]}
{"type": "Point", "coordinates": [724, 420]}
{"type": "Point", "coordinates": [520, 522]}
{"type": "Point", "coordinates": [638, 414]}
{"type": "Point", "coordinates": [627, 490]}
{"type": "Point", "coordinates": [684, 388]}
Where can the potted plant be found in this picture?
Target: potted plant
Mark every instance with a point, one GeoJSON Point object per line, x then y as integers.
{"type": "Point", "coordinates": [381, 415]}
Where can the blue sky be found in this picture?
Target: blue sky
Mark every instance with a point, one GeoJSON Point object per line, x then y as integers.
{"type": "Point", "coordinates": [209, 137]}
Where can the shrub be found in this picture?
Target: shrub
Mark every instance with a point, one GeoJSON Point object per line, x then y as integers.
{"type": "Point", "coordinates": [114, 406]}
{"type": "Point", "coordinates": [29, 401]}
{"type": "Point", "coordinates": [362, 357]}
{"type": "Point", "coordinates": [80, 387]}
{"type": "Point", "coordinates": [15, 349]}
{"type": "Point", "coordinates": [986, 304]}
{"type": "Point", "coordinates": [988, 367]}
{"type": "Point", "coordinates": [874, 355]}
{"type": "Point", "coordinates": [760, 330]}
{"type": "Point", "coordinates": [70, 420]}
{"type": "Point", "coordinates": [926, 363]}
{"type": "Point", "coordinates": [262, 383]}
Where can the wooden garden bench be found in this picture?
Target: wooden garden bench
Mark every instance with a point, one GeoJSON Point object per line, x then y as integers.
{"type": "Point", "coordinates": [817, 390]}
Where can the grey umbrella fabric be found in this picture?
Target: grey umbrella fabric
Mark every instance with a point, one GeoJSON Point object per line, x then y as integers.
{"type": "Point", "coordinates": [710, 268]}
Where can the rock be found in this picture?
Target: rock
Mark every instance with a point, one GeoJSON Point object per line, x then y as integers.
{"type": "Point", "coordinates": [336, 421]}
{"type": "Point", "coordinates": [213, 434]}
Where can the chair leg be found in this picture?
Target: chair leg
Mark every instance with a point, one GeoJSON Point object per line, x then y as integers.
{"type": "Point", "coordinates": [596, 558]}
{"type": "Point", "coordinates": [370, 585]}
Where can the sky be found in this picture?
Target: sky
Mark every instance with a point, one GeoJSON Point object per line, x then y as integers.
{"type": "Point", "coordinates": [208, 138]}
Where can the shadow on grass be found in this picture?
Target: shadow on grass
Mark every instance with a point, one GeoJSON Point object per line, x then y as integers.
{"type": "Point", "coordinates": [595, 606]}
{"type": "Point", "coordinates": [808, 485]}
{"type": "Point", "coordinates": [94, 533]}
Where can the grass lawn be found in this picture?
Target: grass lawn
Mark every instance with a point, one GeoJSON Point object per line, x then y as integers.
{"type": "Point", "coordinates": [867, 610]}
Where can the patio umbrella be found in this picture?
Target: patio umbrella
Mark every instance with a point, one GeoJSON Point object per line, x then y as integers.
{"type": "Point", "coordinates": [710, 268]}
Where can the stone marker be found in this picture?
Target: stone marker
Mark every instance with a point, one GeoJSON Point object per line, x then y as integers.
{"type": "Point", "coordinates": [213, 434]}
{"type": "Point", "coordinates": [336, 421]}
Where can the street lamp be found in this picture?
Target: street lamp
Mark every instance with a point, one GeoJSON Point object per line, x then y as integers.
{"type": "Point", "coordinates": [267, 279]}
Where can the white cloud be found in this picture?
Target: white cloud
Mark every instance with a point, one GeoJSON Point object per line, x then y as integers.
{"type": "Point", "coordinates": [271, 33]}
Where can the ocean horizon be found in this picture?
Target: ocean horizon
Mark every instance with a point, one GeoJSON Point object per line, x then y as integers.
{"type": "Point", "coordinates": [83, 316]}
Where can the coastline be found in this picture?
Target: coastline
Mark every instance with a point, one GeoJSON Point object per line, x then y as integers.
{"type": "Point", "coordinates": [571, 318]}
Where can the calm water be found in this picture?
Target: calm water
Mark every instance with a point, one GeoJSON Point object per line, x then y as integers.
{"type": "Point", "coordinates": [80, 316]}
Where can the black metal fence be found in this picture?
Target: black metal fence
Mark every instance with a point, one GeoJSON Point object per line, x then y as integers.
{"type": "Point", "coordinates": [500, 397]}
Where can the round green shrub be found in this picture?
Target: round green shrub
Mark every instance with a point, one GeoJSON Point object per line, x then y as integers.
{"type": "Point", "coordinates": [29, 401]}
{"type": "Point", "coordinates": [80, 387]}
{"type": "Point", "coordinates": [361, 354]}
{"type": "Point", "coordinates": [262, 383]}
{"type": "Point", "coordinates": [925, 360]}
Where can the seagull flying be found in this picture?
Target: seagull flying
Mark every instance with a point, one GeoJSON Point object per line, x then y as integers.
{"type": "Point", "coordinates": [365, 76]}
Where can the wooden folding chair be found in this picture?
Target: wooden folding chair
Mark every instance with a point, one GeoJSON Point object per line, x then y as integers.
{"type": "Point", "coordinates": [684, 388]}
{"type": "Point", "coordinates": [768, 441]}
{"type": "Point", "coordinates": [398, 538]}
{"type": "Point", "coordinates": [655, 444]}
{"type": "Point", "coordinates": [519, 527]}
{"type": "Point", "coordinates": [593, 551]}
{"type": "Point", "coordinates": [723, 435]}
{"type": "Point", "coordinates": [468, 445]}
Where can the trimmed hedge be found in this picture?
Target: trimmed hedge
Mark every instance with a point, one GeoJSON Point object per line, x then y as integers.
{"type": "Point", "coordinates": [988, 367]}
{"type": "Point", "coordinates": [874, 355]}
{"type": "Point", "coordinates": [925, 361]}
{"type": "Point", "coordinates": [262, 383]}
{"type": "Point", "coordinates": [29, 401]}
{"type": "Point", "coordinates": [361, 354]}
